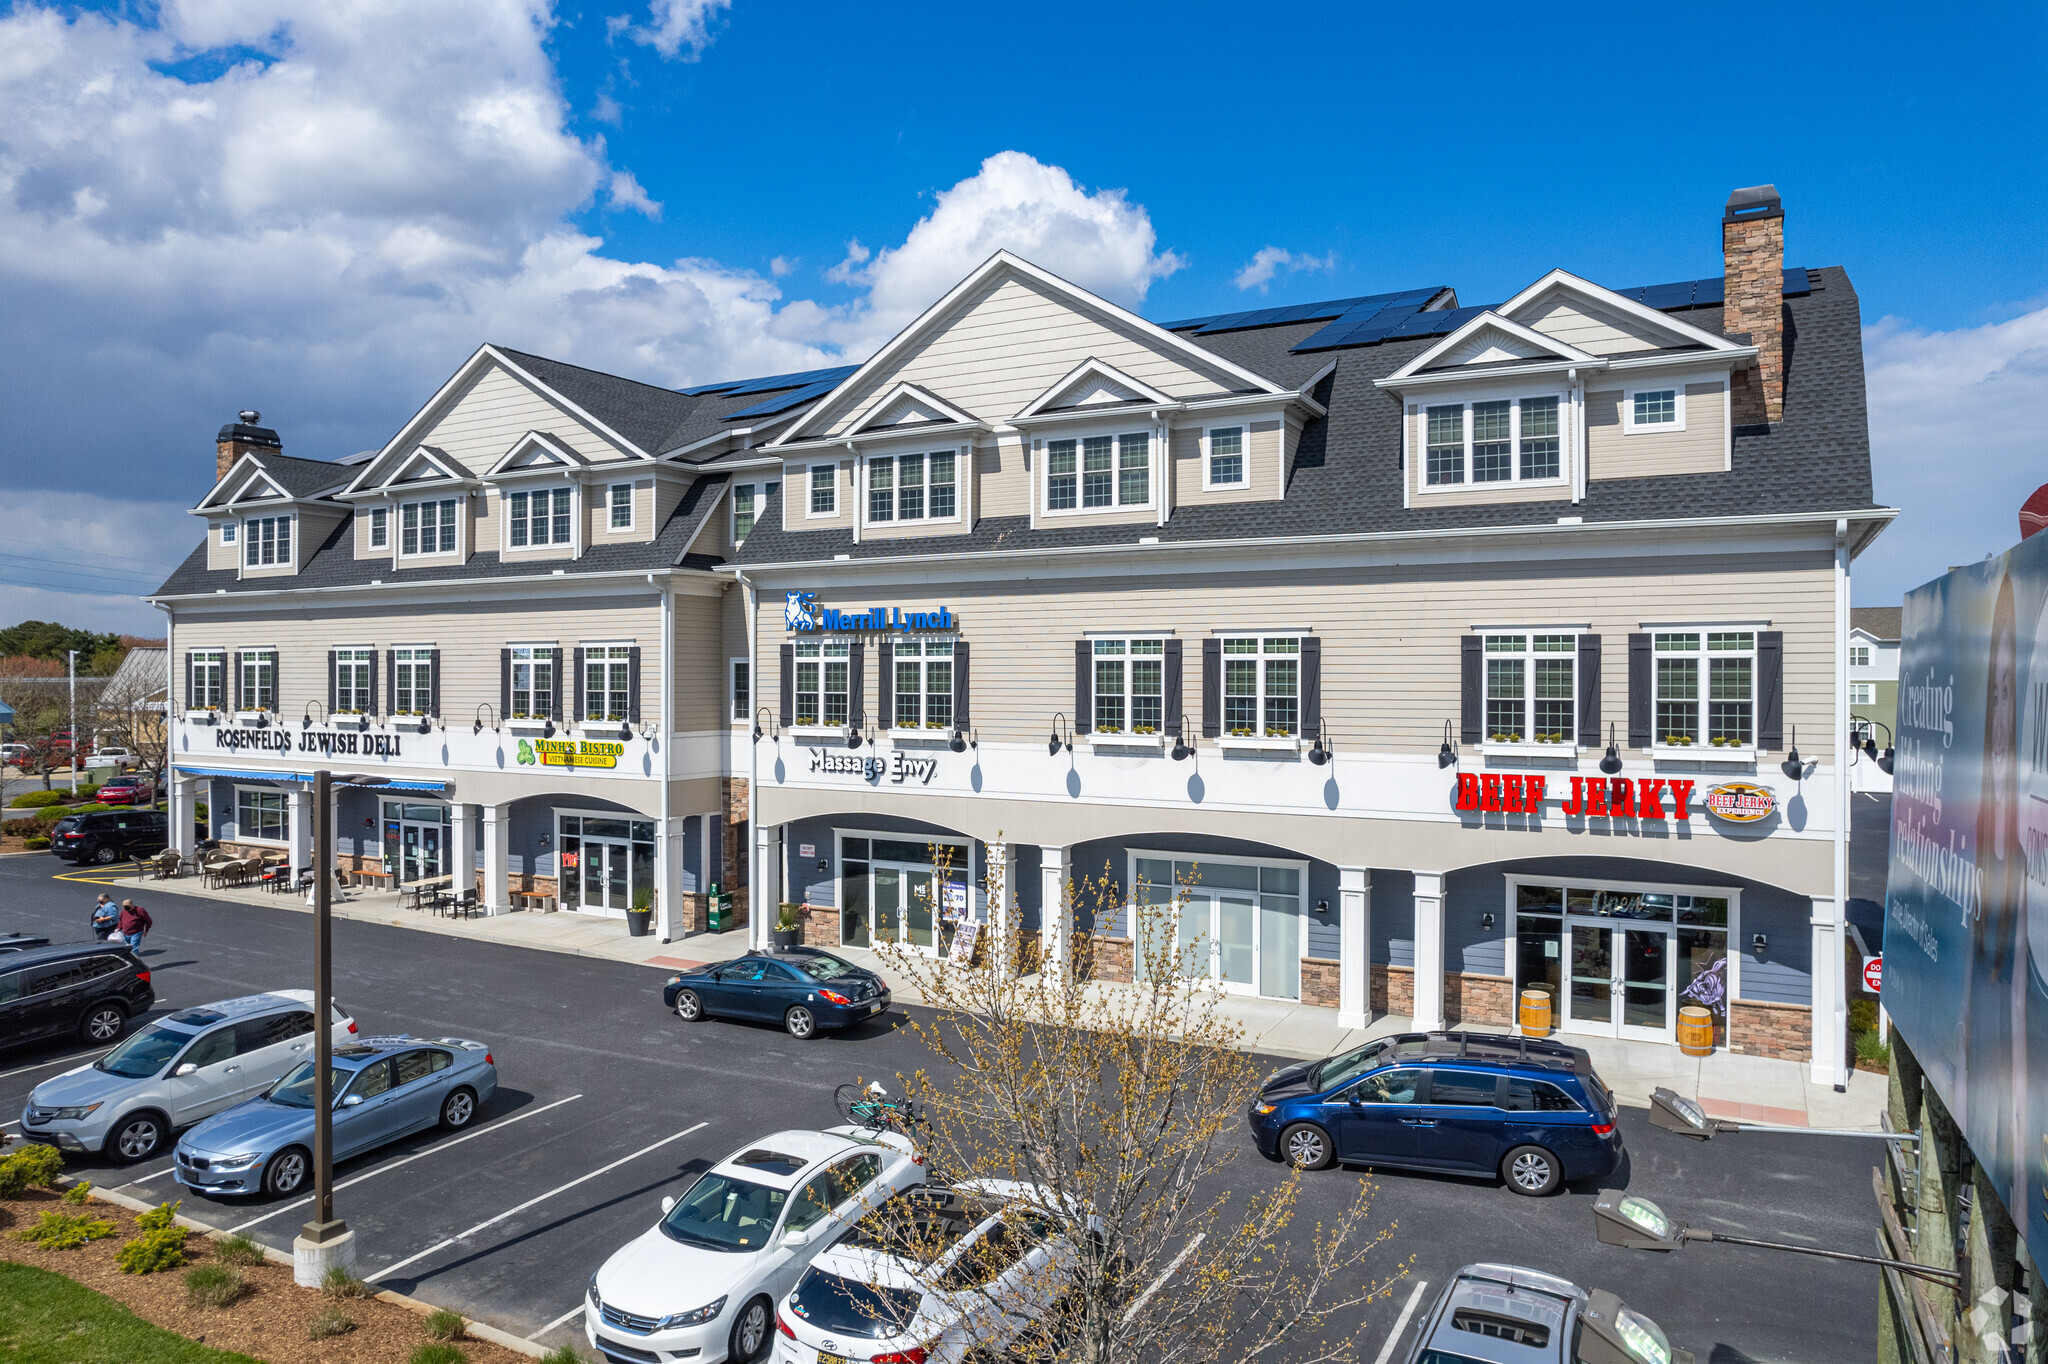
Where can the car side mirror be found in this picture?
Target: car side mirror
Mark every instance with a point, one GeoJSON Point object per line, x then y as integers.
{"type": "Point", "coordinates": [668, 1205]}
{"type": "Point", "coordinates": [351, 1100]}
{"type": "Point", "coordinates": [795, 1240]}
{"type": "Point", "coordinates": [187, 1069]}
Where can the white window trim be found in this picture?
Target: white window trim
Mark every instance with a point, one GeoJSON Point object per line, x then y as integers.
{"type": "Point", "coordinates": [1079, 435]}
{"type": "Point", "coordinates": [557, 657]}
{"type": "Point", "coordinates": [220, 656]}
{"type": "Point", "coordinates": [1307, 905]}
{"type": "Point", "coordinates": [632, 508]}
{"type": "Point", "coordinates": [373, 662]}
{"type": "Point", "coordinates": [810, 486]}
{"type": "Point", "coordinates": [1703, 751]}
{"type": "Point", "coordinates": [732, 509]}
{"type": "Point", "coordinates": [1736, 946]}
{"type": "Point", "coordinates": [819, 728]}
{"type": "Point", "coordinates": [453, 495]}
{"type": "Point", "coordinates": [582, 696]}
{"type": "Point", "coordinates": [1868, 699]}
{"type": "Point", "coordinates": [1244, 430]}
{"type": "Point", "coordinates": [241, 836]}
{"type": "Point", "coordinates": [232, 678]}
{"type": "Point", "coordinates": [963, 455]}
{"type": "Point", "coordinates": [391, 681]}
{"type": "Point", "coordinates": [573, 544]}
{"type": "Point", "coordinates": [902, 732]}
{"type": "Point", "coordinates": [288, 559]}
{"type": "Point", "coordinates": [1262, 742]}
{"type": "Point", "coordinates": [1566, 439]}
{"type": "Point", "coordinates": [1531, 748]}
{"type": "Point", "coordinates": [1628, 407]}
{"type": "Point", "coordinates": [1124, 738]}
{"type": "Point", "coordinates": [227, 532]}
{"type": "Point", "coordinates": [732, 691]}
{"type": "Point", "coordinates": [370, 527]}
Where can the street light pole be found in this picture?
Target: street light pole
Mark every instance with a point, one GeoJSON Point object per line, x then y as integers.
{"type": "Point", "coordinates": [71, 713]}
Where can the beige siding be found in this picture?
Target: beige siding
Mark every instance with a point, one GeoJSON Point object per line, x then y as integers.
{"type": "Point", "coordinates": [716, 537]}
{"type": "Point", "coordinates": [796, 496]}
{"type": "Point", "coordinates": [1013, 340]}
{"type": "Point", "coordinates": [1002, 486]}
{"type": "Point", "coordinates": [221, 556]}
{"type": "Point", "coordinates": [1265, 454]}
{"type": "Point", "coordinates": [1467, 494]}
{"type": "Point", "coordinates": [597, 528]}
{"type": "Point", "coordinates": [699, 672]}
{"type": "Point", "coordinates": [362, 533]}
{"type": "Point", "coordinates": [667, 493]}
{"type": "Point", "coordinates": [1592, 329]}
{"type": "Point", "coordinates": [481, 420]}
{"type": "Point", "coordinates": [1390, 636]}
{"type": "Point", "coordinates": [913, 530]}
{"type": "Point", "coordinates": [1699, 449]}
{"type": "Point", "coordinates": [312, 530]}
{"type": "Point", "coordinates": [732, 616]}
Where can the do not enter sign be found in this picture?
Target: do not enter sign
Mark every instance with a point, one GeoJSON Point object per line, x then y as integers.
{"type": "Point", "coordinates": [1873, 973]}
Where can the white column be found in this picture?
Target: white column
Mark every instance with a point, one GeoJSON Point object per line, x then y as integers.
{"type": "Point", "coordinates": [299, 804]}
{"type": "Point", "coordinates": [1429, 951]}
{"type": "Point", "coordinates": [182, 836]}
{"type": "Point", "coordinates": [764, 897]}
{"type": "Point", "coordinates": [497, 894]}
{"type": "Point", "coordinates": [1055, 921]}
{"type": "Point", "coordinates": [1354, 947]}
{"type": "Point", "coordinates": [998, 923]}
{"type": "Point", "coordinates": [461, 856]}
{"type": "Point", "coordinates": [668, 871]}
{"type": "Point", "coordinates": [1830, 1000]}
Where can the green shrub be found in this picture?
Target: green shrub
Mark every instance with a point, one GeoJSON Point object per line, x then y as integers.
{"type": "Point", "coordinates": [331, 1321]}
{"type": "Point", "coordinates": [162, 1217]}
{"type": "Point", "coordinates": [1862, 1015]}
{"type": "Point", "coordinates": [153, 1251]}
{"type": "Point", "coordinates": [1872, 1049]}
{"type": "Point", "coordinates": [444, 1325]}
{"type": "Point", "coordinates": [79, 1194]}
{"type": "Point", "coordinates": [562, 1354]}
{"type": "Point", "coordinates": [237, 1250]}
{"type": "Point", "coordinates": [214, 1285]}
{"type": "Point", "coordinates": [436, 1354]}
{"type": "Point", "coordinates": [35, 842]}
{"type": "Point", "coordinates": [66, 1231]}
{"type": "Point", "coordinates": [33, 1166]}
{"type": "Point", "coordinates": [341, 1282]}
{"type": "Point", "coordinates": [36, 800]}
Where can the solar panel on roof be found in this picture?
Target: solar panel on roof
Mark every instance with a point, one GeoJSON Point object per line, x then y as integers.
{"type": "Point", "coordinates": [782, 402]}
{"type": "Point", "coordinates": [1297, 312]}
{"type": "Point", "coordinates": [1669, 295]}
{"type": "Point", "coordinates": [736, 387]}
{"type": "Point", "coordinates": [1796, 282]}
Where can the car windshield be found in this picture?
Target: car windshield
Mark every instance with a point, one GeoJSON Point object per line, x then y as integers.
{"type": "Point", "coordinates": [1340, 1070]}
{"type": "Point", "coordinates": [823, 968]}
{"type": "Point", "coordinates": [145, 1053]}
{"type": "Point", "coordinates": [723, 1213]}
{"type": "Point", "coordinates": [853, 1308]}
{"type": "Point", "coordinates": [295, 1090]}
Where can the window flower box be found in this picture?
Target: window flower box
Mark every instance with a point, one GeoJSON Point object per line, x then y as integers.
{"type": "Point", "coordinates": [1143, 737]}
{"type": "Point", "coordinates": [1247, 742]}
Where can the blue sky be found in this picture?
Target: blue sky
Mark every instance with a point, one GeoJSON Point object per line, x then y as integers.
{"type": "Point", "coordinates": [319, 211]}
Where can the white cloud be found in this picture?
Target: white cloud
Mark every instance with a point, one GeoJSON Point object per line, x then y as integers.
{"type": "Point", "coordinates": [625, 192]}
{"type": "Point", "coordinates": [1955, 443]}
{"type": "Point", "coordinates": [781, 266]}
{"type": "Point", "coordinates": [1258, 272]}
{"type": "Point", "coordinates": [680, 28]}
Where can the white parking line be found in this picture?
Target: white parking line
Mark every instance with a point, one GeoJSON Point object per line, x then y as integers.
{"type": "Point", "coordinates": [510, 1212]}
{"type": "Point", "coordinates": [417, 1155]}
{"type": "Point", "coordinates": [1401, 1323]}
{"type": "Point", "coordinates": [45, 1065]}
{"type": "Point", "coordinates": [562, 1320]}
{"type": "Point", "coordinates": [144, 1179]}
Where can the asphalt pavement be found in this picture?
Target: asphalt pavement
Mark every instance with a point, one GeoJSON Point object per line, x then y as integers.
{"type": "Point", "coordinates": [606, 1102]}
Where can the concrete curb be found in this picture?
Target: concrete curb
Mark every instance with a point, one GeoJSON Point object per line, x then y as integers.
{"type": "Point", "coordinates": [478, 1329]}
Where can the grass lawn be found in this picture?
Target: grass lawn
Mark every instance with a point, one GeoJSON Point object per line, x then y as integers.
{"type": "Point", "coordinates": [46, 1318]}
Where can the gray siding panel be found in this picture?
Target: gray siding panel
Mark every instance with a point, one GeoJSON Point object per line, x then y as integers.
{"type": "Point", "coordinates": [1393, 918]}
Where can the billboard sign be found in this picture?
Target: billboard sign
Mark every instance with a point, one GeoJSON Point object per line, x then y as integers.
{"type": "Point", "coordinates": [1966, 902]}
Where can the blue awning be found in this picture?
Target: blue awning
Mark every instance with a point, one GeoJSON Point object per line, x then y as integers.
{"type": "Point", "coordinates": [247, 774]}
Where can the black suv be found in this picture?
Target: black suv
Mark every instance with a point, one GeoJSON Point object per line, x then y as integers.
{"type": "Point", "coordinates": [91, 989]}
{"type": "Point", "coordinates": [111, 835]}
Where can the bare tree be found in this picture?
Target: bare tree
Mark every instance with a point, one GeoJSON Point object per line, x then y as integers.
{"type": "Point", "coordinates": [39, 716]}
{"type": "Point", "coordinates": [129, 710]}
{"type": "Point", "coordinates": [1104, 1115]}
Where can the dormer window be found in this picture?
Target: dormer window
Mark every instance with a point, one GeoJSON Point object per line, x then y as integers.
{"type": "Point", "coordinates": [380, 528]}
{"type": "Point", "coordinates": [1645, 410]}
{"type": "Point", "coordinates": [427, 527]}
{"type": "Point", "coordinates": [1094, 473]}
{"type": "Point", "coordinates": [913, 487]}
{"type": "Point", "coordinates": [269, 541]}
{"type": "Point", "coordinates": [227, 533]}
{"type": "Point", "coordinates": [1500, 440]}
{"type": "Point", "coordinates": [538, 518]}
{"type": "Point", "coordinates": [622, 506]}
{"type": "Point", "coordinates": [1226, 457]}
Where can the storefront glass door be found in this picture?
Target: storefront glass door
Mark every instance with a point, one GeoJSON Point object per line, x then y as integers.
{"type": "Point", "coordinates": [1621, 981]}
{"type": "Point", "coordinates": [1238, 926]}
{"type": "Point", "coordinates": [606, 864]}
{"type": "Point", "coordinates": [607, 884]}
{"type": "Point", "coordinates": [891, 892]}
{"type": "Point", "coordinates": [413, 841]}
{"type": "Point", "coordinates": [1619, 962]}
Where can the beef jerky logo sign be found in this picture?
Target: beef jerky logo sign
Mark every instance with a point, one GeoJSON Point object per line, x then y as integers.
{"type": "Point", "coordinates": [326, 742]}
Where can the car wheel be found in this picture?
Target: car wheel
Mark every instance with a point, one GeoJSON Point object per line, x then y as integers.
{"type": "Point", "coordinates": [458, 1109]}
{"type": "Point", "coordinates": [1306, 1146]}
{"type": "Point", "coordinates": [800, 1022]}
{"type": "Point", "coordinates": [287, 1172]}
{"type": "Point", "coordinates": [104, 855]}
{"type": "Point", "coordinates": [689, 1007]}
{"type": "Point", "coordinates": [1531, 1170]}
{"type": "Point", "coordinates": [102, 1023]}
{"type": "Point", "coordinates": [136, 1137]}
{"type": "Point", "coordinates": [749, 1338]}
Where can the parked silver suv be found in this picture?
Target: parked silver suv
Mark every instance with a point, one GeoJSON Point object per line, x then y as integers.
{"type": "Point", "coordinates": [183, 1067]}
{"type": "Point", "coordinates": [1505, 1314]}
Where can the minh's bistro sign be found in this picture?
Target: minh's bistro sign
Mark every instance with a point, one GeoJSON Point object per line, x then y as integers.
{"type": "Point", "coordinates": [1520, 793]}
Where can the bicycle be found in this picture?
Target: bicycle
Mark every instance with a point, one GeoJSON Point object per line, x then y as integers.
{"type": "Point", "coordinates": [873, 1108]}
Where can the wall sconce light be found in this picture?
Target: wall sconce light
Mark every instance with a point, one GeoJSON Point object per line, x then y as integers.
{"type": "Point", "coordinates": [772, 731]}
{"type": "Point", "coordinates": [1884, 759]}
{"type": "Point", "coordinates": [1447, 755]}
{"type": "Point", "coordinates": [1794, 766]}
{"type": "Point", "coordinates": [1758, 943]}
{"type": "Point", "coordinates": [1611, 764]}
{"type": "Point", "coordinates": [1486, 921]}
{"type": "Point", "coordinates": [1183, 742]}
{"type": "Point", "coordinates": [306, 720]}
{"type": "Point", "coordinates": [426, 725]}
{"type": "Point", "coordinates": [1320, 754]}
{"type": "Point", "coordinates": [544, 839]}
{"type": "Point", "coordinates": [961, 739]}
{"type": "Point", "coordinates": [477, 720]}
{"type": "Point", "coordinates": [547, 730]}
{"type": "Point", "coordinates": [363, 721]}
{"type": "Point", "coordinates": [1322, 906]}
{"type": "Point", "coordinates": [824, 864]}
{"type": "Point", "coordinates": [626, 731]}
{"type": "Point", "coordinates": [1055, 741]}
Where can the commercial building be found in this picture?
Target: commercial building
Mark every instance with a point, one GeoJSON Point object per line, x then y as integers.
{"type": "Point", "coordinates": [1441, 651]}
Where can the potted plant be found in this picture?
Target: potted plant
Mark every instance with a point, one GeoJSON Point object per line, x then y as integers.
{"type": "Point", "coordinates": [789, 926]}
{"type": "Point", "coordinates": [641, 916]}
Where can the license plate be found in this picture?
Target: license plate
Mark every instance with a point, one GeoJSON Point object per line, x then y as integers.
{"type": "Point", "coordinates": [824, 1358]}
{"type": "Point", "coordinates": [874, 1008]}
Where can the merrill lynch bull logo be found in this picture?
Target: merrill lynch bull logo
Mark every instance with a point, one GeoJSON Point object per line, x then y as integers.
{"type": "Point", "coordinates": [800, 612]}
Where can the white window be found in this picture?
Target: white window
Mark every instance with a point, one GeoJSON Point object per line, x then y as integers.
{"type": "Point", "coordinates": [1262, 687]}
{"type": "Point", "coordinates": [269, 541]}
{"type": "Point", "coordinates": [227, 533]}
{"type": "Point", "coordinates": [1706, 688]}
{"type": "Point", "coordinates": [743, 511]}
{"type": "Point", "coordinates": [1863, 693]}
{"type": "Point", "coordinates": [742, 689]}
{"type": "Point", "coordinates": [352, 674]}
{"type": "Point", "coordinates": [824, 490]}
{"type": "Point", "coordinates": [1226, 464]}
{"type": "Point", "coordinates": [1653, 409]}
{"type": "Point", "coordinates": [1531, 694]}
{"type": "Point", "coordinates": [380, 528]}
{"type": "Point", "coordinates": [821, 684]}
{"type": "Point", "coordinates": [427, 527]}
{"type": "Point", "coordinates": [1859, 655]}
{"type": "Point", "coordinates": [924, 684]}
{"type": "Point", "coordinates": [209, 680]}
{"type": "Point", "coordinates": [1501, 440]}
{"type": "Point", "coordinates": [260, 815]}
{"type": "Point", "coordinates": [539, 518]}
{"type": "Point", "coordinates": [1093, 473]}
{"type": "Point", "coordinates": [621, 496]}
{"type": "Point", "coordinates": [607, 682]}
{"type": "Point", "coordinates": [533, 681]}
{"type": "Point", "coordinates": [258, 684]}
{"type": "Point", "coordinates": [412, 681]}
{"type": "Point", "coordinates": [913, 487]}
{"type": "Point", "coordinates": [1130, 686]}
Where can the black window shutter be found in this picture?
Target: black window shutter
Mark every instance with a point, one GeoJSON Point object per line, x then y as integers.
{"type": "Point", "coordinates": [1589, 691]}
{"type": "Point", "coordinates": [576, 697]}
{"type": "Point", "coordinates": [391, 676]}
{"type": "Point", "coordinates": [1212, 688]}
{"type": "Point", "coordinates": [1311, 685]}
{"type": "Point", "coordinates": [960, 688]}
{"type": "Point", "coordinates": [191, 701]}
{"type": "Point", "coordinates": [856, 683]}
{"type": "Point", "coordinates": [1084, 687]}
{"type": "Point", "coordinates": [633, 685]}
{"type": "Point", "coordinates": [561, 685]}
{"type": "Point", "coordinates": [332, 683]}
{"type": "Point", "coordinates": [373, 685]}
{"type": "Point", "coordinates": [235, 659]}
{"type": "Point", "coordinates": [885, 688]}
{"type": "Point", "coordinates": [434, 682]}
{"type": "Point", "coordinates": [1471, 689]}
{"type": "Point", "coordinates": [1641, 680]}
{"type": "Point", "coordinates": [1170, 684]}
{"type": "Point", "coordinates": [1770, 689]}
{"type": "Point", "coordinates": [788, 688]}
{"type": "Point", "coordinates": [504, 684]}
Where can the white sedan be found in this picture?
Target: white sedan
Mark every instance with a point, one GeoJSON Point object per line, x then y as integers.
{"type": "Point", "coordinates": [702, 1283]}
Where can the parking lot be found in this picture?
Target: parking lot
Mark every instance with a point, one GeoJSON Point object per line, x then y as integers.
{"type": "Point", "coordinates": [606, 1103]}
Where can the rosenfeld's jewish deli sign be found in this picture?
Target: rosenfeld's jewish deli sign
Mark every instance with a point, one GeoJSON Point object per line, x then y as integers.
{"type": "Point", "coordinates": [1598, 797]}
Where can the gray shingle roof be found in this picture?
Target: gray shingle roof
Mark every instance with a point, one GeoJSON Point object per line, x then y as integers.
{"type": "Point", "coordinates": [1880, 622]}
{"type": "Point", "coordinates": [658, 420]}
{"type": "Point", "coordinates": [303, 477]}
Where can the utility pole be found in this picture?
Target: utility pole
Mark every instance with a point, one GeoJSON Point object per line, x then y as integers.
{"type": "Point", "coordinates": [71, 715]}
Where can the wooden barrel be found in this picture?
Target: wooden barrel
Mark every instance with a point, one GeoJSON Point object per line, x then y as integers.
{"type": "Point", "coordinates": [1695, 1031]}
{"type": "Point", "coordinates": [1536, 1013]}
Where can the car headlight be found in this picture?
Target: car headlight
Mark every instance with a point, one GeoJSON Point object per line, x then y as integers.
{"type": "Point", "coordinates": [675, 980]}
{"type": "Point", "coordinates": [237, 1162]}
{"type": "Point", "coordinates": [73, 1114]}
{"type": "Point", "coordinates": [595, 1300]}
{"type": "Point", "coordinates": [698, 1317]}
{"type": "Point", "coordinates": [1262, 1109]}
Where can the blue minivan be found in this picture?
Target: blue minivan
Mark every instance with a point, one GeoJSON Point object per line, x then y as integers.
{"type": "Point", "coordinates": [1528, 1110]}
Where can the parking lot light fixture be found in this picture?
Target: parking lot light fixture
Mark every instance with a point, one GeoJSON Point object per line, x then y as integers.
{"type": "Point", "coordinates": [1614, 1333]}
{"type": "Point", "coordinates": [1624, 1219]}
{"type": "Point", "coordinates": [1676, 1113]}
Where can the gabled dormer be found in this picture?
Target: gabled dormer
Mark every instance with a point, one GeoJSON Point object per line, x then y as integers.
{"type": "Point", "coordinates": [267, 512]}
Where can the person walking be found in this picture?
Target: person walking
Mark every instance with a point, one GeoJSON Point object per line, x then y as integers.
{"type": "Point", "coordinates": [133, 923]}
{"type": "Point", "coordinates": [105, 915]}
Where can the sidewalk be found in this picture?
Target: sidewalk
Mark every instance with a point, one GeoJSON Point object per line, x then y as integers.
{"type": "Point", "coordinates": [1748, 1088]}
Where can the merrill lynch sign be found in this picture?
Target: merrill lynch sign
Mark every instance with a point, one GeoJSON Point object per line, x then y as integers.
{"type": "Point", "coordinates": [800, 611]}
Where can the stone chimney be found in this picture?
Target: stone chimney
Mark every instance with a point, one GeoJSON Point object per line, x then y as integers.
{"type": "Point", "coordinates": [1753, 251]}
{"type": "Point", "coordinates": [240, 437]}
